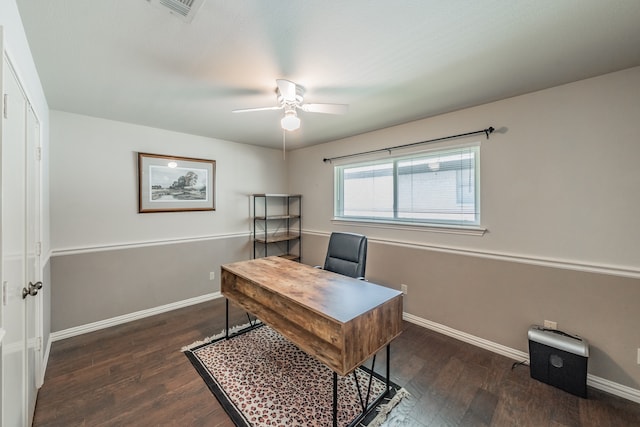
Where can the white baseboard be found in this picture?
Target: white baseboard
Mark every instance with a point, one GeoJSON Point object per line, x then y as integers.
{"type": "Point", "coordinates": [614, 388]}
{"type": "Point", "coordinates": [102, 324]}
{"type": "Point", "coordinates": [45, 362]}
{"type": "Point", "coordinates": [471, 339]}
{"type": "Point", "coordinates": [592, 380]}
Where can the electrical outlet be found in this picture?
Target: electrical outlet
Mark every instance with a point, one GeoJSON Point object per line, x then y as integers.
{"type": "Point", "coordinates": [403, 288]}
{"type": "Point", "coordinates": [550, 324]}
{"type": "Point", "coordinates": [212, 275]}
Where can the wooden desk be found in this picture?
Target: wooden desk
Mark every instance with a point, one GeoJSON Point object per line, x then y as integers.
{"type": "Point", "coordinates": [338, 320]}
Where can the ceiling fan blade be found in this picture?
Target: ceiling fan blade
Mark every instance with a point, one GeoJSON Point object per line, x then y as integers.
{"type": "Point", "coordinates": [248, 110]}
{"type": "Point", "coordinates": [287, 89]}
{"type": "Point", "coordinates": [325, 108]}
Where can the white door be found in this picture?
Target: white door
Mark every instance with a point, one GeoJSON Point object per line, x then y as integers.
{"type": "Point", "coordinates": [20, 255]}
{"type": "Point", "coordinates": [14, 412]}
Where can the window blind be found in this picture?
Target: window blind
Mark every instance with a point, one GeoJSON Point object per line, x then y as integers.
{"type": "Point", "coordinates": [436, 187]}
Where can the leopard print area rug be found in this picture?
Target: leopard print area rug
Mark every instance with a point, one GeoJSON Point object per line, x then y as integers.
{"type": "Point", "coordinates": [262, 379]}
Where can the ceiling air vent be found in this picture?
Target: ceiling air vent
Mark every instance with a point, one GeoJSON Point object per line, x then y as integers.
{"type": "Point", "coordinates": [184, 9]}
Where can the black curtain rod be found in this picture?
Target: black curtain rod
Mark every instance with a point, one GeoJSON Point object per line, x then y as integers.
{"type": "Point", "coordinates": [486, 131]}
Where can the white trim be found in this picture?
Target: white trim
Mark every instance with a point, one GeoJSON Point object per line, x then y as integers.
{"type": "Point", "coordinates": [2, 334]}
{"type": "Point", "coordinates": [424, 225]}
{"type": "Point", "coordinates": [614, 388]}
{"type": "Point", "coordinates": [593, 381]}
{"type": "Point", "coordinates": [129, 245]}
{"type": "Point", "coordinates": [45, 361]}
{"type": "Point", "coordinates": [46, 258]}
{"type": "Point", "coordinates": [613, 270]}
{"type": "Point", "coordinates": [399, 225]}
{"type": "Point", "coordinates": [102, 324]}
{"type": "Point", "coordinates": [471, 339]}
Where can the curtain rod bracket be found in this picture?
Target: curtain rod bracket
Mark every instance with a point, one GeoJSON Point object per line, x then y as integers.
{"type": "Point", "coordinates": [489, 131]}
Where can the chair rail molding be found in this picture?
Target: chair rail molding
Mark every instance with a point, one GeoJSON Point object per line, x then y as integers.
{"type": "Point", "coordinates": [147, 243]}
{"type": "Point", "coordinates": [613, 270]}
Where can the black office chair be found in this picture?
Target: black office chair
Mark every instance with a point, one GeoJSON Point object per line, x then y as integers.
{"type": "Point", "coordinates": [347, 254]}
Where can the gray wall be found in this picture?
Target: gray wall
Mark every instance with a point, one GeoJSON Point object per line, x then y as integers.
{"type": "Point", "coordinates": [100, 285]}
{"type": "Point", "coordinates": [559, 186]}
{"type": "Point", "coordinates": [108, 260]}
{"type": "Point", "coordinates": [498, 300]}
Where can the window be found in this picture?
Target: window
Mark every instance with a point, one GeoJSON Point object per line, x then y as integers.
{"type": "Point", "coordinates": [438, 187]}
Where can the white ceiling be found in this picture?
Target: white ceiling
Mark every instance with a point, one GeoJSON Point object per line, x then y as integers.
{"type": "Point", "coordinates": [392, 61]}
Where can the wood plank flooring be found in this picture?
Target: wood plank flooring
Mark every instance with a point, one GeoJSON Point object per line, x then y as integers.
{"type": "Point", "coordinates": [135, 375]}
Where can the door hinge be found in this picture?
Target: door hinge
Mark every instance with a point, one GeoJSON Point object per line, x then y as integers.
{"type": "Point", "coordinates": [38, 344]}
{"type": "Point", "coordinates": [38, 153]}
{"type": "Point", "coordinates": [4, 105]}
{"type": "Point", "coordinates": [38, 248]}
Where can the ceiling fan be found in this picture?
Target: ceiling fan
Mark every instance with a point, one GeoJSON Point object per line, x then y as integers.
{"type": "Point", "coordinates": [290, 99]}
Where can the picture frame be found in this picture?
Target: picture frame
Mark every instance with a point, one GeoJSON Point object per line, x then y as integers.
{"type": "Point", "coordinates": [175, 184]}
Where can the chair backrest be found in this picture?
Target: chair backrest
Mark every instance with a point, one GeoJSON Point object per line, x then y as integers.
{"type": "Point", "coordinates": [347, 254]}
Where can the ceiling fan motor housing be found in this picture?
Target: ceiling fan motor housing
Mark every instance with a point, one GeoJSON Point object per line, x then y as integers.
{"type": "Point", "coordinates": [295, 101]}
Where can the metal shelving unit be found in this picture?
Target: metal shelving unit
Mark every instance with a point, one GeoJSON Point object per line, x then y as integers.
{"type": "Point", "coordinates": [277, 225]}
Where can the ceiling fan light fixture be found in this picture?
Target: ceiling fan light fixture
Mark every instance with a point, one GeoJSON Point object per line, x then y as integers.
{"type": "Point", "coordinates": [290, 121]}
{"type": "Point", "coordinates": [290, 99]}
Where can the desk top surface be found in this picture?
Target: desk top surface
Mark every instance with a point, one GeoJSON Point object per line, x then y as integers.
{"type": "Point", "coordinates": [330, 294]}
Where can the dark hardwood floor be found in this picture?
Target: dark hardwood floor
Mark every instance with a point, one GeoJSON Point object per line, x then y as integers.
{"type": "Point", "coordinates": [135, 375]}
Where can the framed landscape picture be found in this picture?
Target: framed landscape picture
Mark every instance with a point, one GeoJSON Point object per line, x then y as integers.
{"type": "Point", "coordinates": [174, 184]}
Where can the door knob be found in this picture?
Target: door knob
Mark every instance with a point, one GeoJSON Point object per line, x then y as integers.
{"type": "Point", "coordinates": [33, 289]}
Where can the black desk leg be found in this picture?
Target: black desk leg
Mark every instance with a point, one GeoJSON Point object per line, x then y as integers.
{"type": "Point", "coordinates": [335, 400]}
{"type": "Point", "coordinates": [226, 318]}
{"type": "Point", "coordinates": [388, 367]}
{"type": "Point", "coordinates": [367, 406]}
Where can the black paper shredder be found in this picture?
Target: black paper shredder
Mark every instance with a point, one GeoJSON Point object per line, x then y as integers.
{"type": "Point", "coordinates": [559, 359]}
